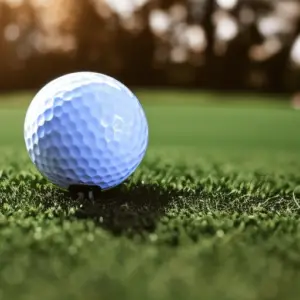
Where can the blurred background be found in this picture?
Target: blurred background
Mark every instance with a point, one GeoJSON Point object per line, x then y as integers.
{"type": "Point", "coordinates": [251, 45]}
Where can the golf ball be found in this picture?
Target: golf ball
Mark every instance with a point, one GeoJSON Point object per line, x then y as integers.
{"type": "Point", "coordinates": [86, 128]}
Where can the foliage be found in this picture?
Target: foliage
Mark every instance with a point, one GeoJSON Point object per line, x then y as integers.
{"type": "Point", "coordinates": [176, 43]}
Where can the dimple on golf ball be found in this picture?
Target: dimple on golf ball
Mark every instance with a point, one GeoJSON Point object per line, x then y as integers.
{"type": "Point", "coordinates": [86, 128]}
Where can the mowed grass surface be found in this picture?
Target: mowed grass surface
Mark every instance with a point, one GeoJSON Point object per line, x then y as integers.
{"type": "Point", "coordinates": [212, 212]}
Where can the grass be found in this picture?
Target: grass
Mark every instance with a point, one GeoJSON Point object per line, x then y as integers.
{"type": "Point", "coordinates": [212, 212]}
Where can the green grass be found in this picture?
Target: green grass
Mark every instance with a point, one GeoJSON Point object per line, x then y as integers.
{"type": "Point", "coordinates": [212, 212]}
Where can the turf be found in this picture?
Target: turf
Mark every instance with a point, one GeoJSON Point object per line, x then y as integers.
{"type": "Point", "coordinates": [212, 212]}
